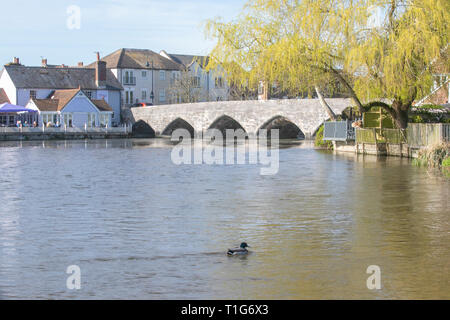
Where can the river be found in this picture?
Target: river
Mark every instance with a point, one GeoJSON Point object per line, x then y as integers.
{"type": "Point", "coordinates": [140, 227]}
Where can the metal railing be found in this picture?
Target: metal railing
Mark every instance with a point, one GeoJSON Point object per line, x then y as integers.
{"type": "Point", "coordinates": [69, 130]}
{"type": "Point", "coordinates": [338, 131]}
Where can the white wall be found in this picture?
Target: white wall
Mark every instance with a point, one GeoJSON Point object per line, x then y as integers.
{"type": "Point", "coordinates": [23, 95]}
{"type": "Point", "coordinates": [7, 85]}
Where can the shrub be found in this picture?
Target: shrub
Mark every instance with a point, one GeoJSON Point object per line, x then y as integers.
{"type": "Point", "coordinates": [434, 156]}
{"type": "Point", "coordinates": [318, 142]}
{"type": "Point", "coordinates": [429, 106]}
{"type": "Point", "coordinates": [417, 119]}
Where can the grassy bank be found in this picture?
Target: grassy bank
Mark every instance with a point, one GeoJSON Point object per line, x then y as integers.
{"type": "Point", "coordinates": [436, 156]}
{"type": "Point", "coordinates": [318, 142]}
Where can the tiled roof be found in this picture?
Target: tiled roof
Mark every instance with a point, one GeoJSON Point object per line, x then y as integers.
{"type": "Point", "coordinates": [102, 105]}
{"type": "Point", "coordinates": [64, 97]}
{"type": "Point", "coordinates": [3, 97]}
{"type": "Point", "coordinates": [58, 78]}
{"type": "Point", "coordinates": [137, 59]}
{"type": "Point", "coordinates": [46, 104]}
{"type": "Point", "coordinates": [187, 60]}
{"type": "Point", "coordinates": [61, 98]}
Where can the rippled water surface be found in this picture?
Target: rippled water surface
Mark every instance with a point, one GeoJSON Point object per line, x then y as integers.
{"type": "Point", "coordinates": [141, 227]}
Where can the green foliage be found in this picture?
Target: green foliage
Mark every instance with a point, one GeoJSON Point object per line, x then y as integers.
{"type": "Point", "coordinates": [430, 106]}
{"type": "Point", "coordinates": [446, 167]}
{"type": "Point", "coordinates": [373, 117]}
{"type": "Point", "coordinates": [376, 49]}
{"type": "Point", "coordinates": [319, 142]}
{"type": "Point", "coordinates": [417, 119]}
{"type": "Point", "coordinates": [446, 162]}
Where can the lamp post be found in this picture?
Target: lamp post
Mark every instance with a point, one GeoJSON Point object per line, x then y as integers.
{"type": "Point", "coordinates": [152, 96]}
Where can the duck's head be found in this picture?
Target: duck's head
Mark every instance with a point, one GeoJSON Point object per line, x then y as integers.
{"type": "Point", "coordinates": [244, 245]}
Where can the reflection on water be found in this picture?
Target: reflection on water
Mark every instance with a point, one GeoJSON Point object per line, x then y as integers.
{"type": "Point", "coordinates": [141, 227]}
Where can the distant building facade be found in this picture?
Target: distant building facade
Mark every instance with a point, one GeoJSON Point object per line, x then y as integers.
{"type": "Point", "coordinates": [23, 83]}
{"type": "Point", "coordinates": [210, 84]}
{"type": "Point", "coordinates": [141, 72]}
{"type": "Point", "coordinates": [148, 77]}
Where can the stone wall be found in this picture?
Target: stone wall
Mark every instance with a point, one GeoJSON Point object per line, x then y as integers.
{"type": "Point", "coordinates": [306, 114]}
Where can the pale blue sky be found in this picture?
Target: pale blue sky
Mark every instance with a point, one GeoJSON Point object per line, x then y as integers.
{"type": "Point", "coordinates": [31, 29]}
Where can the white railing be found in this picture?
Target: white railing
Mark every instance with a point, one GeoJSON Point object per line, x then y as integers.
{"type": "Point", "coordinates": [69, 130]}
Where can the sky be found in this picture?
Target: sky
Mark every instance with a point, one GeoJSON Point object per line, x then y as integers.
{"type": "Point", "coordinates": [70, 31]}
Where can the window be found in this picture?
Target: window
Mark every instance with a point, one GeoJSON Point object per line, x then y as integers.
{"type": "Point", "coordinates": [144, 94]}
{"type": "Point", "coordinates": [162, 95]}
{"type": "Point", "coordinates": [162, 75]}
{"type": "Point", "coordinates": [50, 118]}
{"type": "Point", "coordinates": [219, 82]}
{"type": "Point", "coordinates": [196, 82]}
{"type": "Point", "coordinates": [129, 79]}
{"type": "Point", "coordinates": [89, 94]}
{"type": "Point", "coordinates": [144, 74]}
{"type": "Point", "coordinates": [68, 119]}
{"type": "Point", "coordinates": [104, 119]}
{"type": "Point", "coordinates": [129, 97]}
{"type": "Point", "coordinates": [91, 120]}
{"type": "Point", "coordinates": [32, 94]}
{"type": "Point", "coordinates": [3, 120]}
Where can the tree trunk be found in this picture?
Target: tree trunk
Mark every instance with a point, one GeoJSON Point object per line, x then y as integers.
{"type": "Point", "coordinates": [325, 105]}
{"type": "Point", "coordinates": [400, 115]}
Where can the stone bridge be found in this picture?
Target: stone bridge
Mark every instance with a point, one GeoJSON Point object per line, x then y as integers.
{"type": "Point", "coordinates": [294, 117]}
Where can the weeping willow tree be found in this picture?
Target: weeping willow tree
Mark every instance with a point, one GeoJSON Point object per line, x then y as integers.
{"type": "Point", "coordinates": [376, 50]}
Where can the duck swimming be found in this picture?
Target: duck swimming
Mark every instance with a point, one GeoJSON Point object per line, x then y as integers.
{"type": "Point", "coordinates": [241, 250]}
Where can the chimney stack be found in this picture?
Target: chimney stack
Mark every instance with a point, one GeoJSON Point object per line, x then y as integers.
{"type": "Point", "coordinates": [100, 72]}
{"type": "Point", "coordinates": [44, 63]}
{"type": "Point", "coordinates": [16, 60]}
{"type": "Point", "coordinates": [80, 64]}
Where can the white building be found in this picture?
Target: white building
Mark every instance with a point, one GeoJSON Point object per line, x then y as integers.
{"type": "Point", "coordinates": [212, 84]}
{"type": "Point", "coordinates": [72, 108]}
{"type": "Point", "coordinates": [140, 73]}
{"type": "Point", "coordinates": [22, 83]}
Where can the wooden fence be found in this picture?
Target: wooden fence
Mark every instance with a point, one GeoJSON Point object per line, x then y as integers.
{"type": "Point", "coordinates": [416, 135]}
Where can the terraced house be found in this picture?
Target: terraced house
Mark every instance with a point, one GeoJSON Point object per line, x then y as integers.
{"type": "Point", "coordinates": [149, 78]}
{"type": "Point", "coordinates": [145, 75]}
{"type": "Point", "coordinates": [207, 85]}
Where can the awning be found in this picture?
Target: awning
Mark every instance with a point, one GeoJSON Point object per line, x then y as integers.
{"type": "Point", "coordinates": [11, 108]}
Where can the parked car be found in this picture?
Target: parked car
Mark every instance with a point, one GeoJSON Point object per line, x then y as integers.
{"type": "Point", "coordinates": [142, 104]}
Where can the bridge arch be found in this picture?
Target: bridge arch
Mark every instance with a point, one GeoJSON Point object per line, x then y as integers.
{"type": "Point", "coordinates": [178, 123]}
{"type": "Point", "coordinates": [225, 122]}
{"type": "Point", "coordinates": [141, 129]}
{"type": "Point", "coordinates": [288, 129]}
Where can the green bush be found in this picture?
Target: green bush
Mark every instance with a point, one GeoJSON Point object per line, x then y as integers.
{"type": "Point", "coordinates": [318, 142]}
{"type": "Point", "coordinates": [429, 106]}
{"type": "Point", "coordinates": [417, 119]}
{"type": "Point", "coordinates": [446, 162]}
